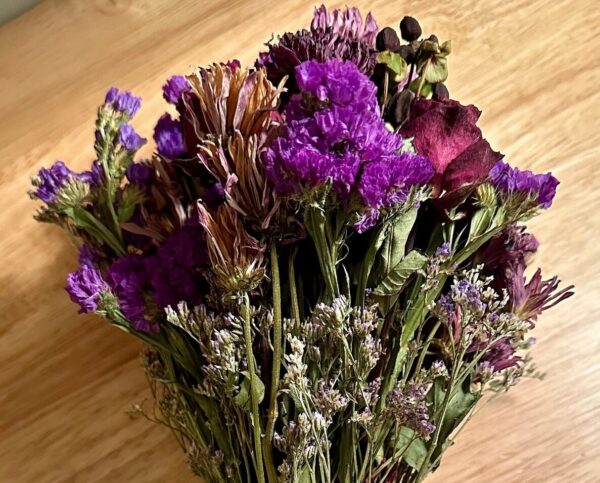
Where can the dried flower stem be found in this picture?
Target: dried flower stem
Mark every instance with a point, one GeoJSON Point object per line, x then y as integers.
{"type": "Point", "coordinates": [256, 426]}
{"type": "Point", "coordinates": [275, 375]}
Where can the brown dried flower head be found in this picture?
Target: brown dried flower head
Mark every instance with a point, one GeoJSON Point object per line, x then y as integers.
{"type": "Point", "coordinates": [236, 257]}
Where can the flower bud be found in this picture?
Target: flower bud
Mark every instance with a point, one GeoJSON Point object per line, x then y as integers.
{"type": "Point", "coordinates": [387, 39]}
{"type": "Point", "coordinates": [410, 29]}
{"type": "Point", "coordinates": [440, 92]}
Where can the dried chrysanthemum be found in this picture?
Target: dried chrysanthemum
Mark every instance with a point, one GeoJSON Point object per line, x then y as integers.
{"type": "Point", "coordinates": [223, 100]}
{"type": "Point", "coordinates": [237, 259]}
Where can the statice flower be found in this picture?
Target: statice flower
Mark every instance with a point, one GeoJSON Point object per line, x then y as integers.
{"type": "Point", "coordinates": [130, 139]}
{"type": "Point", "coordinates": [169, 137]}
{"type": "Point", "coordinates": [139, 174]}
{"type": "Point", "coordinates": [85, 286]}
{"type": "Point", "coordinates": [94, 176]}
{"type": "Point", "coordinates": [49, 182]}
{"type": "Point", "coordinates": [124, 102]}
{"type": "Point", "coordinates": [541, 187]}
{"type": "Point", "coordinates": [129, 281]}
{"type": "Point", "coordinates": [174, 87]}
{"type": "Point", "coordinates": [176, 269]}
{"type": "Point", "coordinates": [338, 34]}
{"type": "Point", "coordinates": [407, 405]}
{"type": "Point", "coordinates": [334, 133]}
{"type": "Point", "coordinates": [87, 256]}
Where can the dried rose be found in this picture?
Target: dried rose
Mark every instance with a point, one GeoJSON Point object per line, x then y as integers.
{"type": "Point", "coordinates": [446, 132]}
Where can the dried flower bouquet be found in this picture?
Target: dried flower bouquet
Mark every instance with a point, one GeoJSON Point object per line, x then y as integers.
{"type": "Point", "coordinates": [324, 258]}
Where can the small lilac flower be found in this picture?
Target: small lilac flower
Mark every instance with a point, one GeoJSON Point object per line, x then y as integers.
{"type": "Point", "coordinates": [174, 87]}
{"type": "Point", "coordinates": [85, 286]}
{"type": "Point", "coordinates": [444, 250]}
{"type": "Point", "coordinates": [139, 174]}
{"type": "Point", "coordinates": [169, 137]}
{"type": "Point", "coordinates": [124, 102]}
{"type": "Point", "coordinates": [510, 180]}
{"type": "Point", "coordinates": [130, 139]}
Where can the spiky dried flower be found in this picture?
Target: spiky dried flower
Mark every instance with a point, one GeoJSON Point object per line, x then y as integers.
{"type": "Point", "coordinates": [237, 259]}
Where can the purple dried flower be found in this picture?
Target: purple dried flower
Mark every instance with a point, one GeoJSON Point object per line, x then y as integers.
{"type": "Point", "coordinates": [85, 286]}
{"type": "Point", "coordinates": [333, 136]}
{"type": "Point", "coordinates": [94, 176]}
{"type": "Point", "coordinates": [176, 269]}
{"type": "Point", "coordinates": [174, 87]}
{"type": "Point", "coordinates": [501, 355]}
{"type": "Point", "coordinates": [128, 279]}
{"type": "Point", "coordinates": [339, 34]}
{"type": "Point", "coordinates": [139, 174]}
{"type": "Point", "coordinates": [130, 139]}
{"type": "Point", "coordinates": [444, 250]}
{"type": "Point", "coordinates": [124, 102]}
{"type": "Point", "coordinates": [385, 182]}
{"type": "Point", "coordinates": [87, 256]}
{"type": "Point", "coordinates": [338, 83]}
{"type": "Point", "coordinates": [169, 137]}
{"type": "Point", "coordinates": [408, 406]}
{"type": "Point", "coordinates": [540, 186]}
{"type": "Point", "coordinates": [49, 181]}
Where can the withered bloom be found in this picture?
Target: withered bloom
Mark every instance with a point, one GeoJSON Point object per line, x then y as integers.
{"type": "Point", "coordinates": [228, 116]}
{"type": "Point", "coordinates": [236, 258]}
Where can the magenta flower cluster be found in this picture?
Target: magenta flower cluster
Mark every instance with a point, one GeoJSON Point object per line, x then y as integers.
{"type": "Point", "coordinates": [542, 187]}
{"type": "Point", "coordinates": [334, 133]}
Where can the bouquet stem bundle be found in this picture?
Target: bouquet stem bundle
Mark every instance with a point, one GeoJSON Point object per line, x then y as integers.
{"type": "Point", "coordinates": [324, 258]}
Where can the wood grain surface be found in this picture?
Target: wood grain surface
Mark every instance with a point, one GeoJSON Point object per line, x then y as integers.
{"type": "Point", "coordinates": [532, 66]}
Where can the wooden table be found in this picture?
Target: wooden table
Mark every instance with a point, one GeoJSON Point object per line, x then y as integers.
{"type": "Point", "coordinates": [533, 66]}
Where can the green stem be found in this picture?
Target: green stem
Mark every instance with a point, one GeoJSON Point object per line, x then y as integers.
{"type": "Point", "coordinates": [254, 396]}
{"type": "Point", "coordinates": [293, 289]}
{"type": "Point", "coordinates": [275, 375]}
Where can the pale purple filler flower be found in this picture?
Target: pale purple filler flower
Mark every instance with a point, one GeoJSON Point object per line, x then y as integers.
{"type": "Point", "coordinates": [174, 87]}
{"type": "Point", "coordinates": [540, 186]}
{"type": "Point", "coordinates": [169, 137]}
{"type": "Point", "coordinates": [85, 286]}
{"type": "Point", "coordinates": [123, 101]}
{"type": "Point", "coordinates": [130, 139]}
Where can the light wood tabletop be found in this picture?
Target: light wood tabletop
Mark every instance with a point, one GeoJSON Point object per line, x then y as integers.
{"type": "Point", "coordinates": [532, 66]}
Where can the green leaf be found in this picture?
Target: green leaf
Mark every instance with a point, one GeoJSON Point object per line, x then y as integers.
{"type": "Point", "coordinates": [394, 248]}
{"type": "Point", "coordinates": [437, 70]}
{"type": "Point", "coordinates": [460, 405]}
{"type": "Point", "coordinates": [395, 63]}
{"type": "Point", "coordinates": [399, 275]}
{"type": "Point", "coordinates": [416, 453]}
{"type": "Point", "coordinates": [243, 398]}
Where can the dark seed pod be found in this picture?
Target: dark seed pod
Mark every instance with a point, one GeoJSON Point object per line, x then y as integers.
{"type": "Point", "coordinates": [434, 39]}
{"type": "Point", "coordinates": [379, 73]}
{"type": "Point", "coordinates": [440, 92]}
{"type": "Point", "coordinates": [387, 39]}
{"type": "Point", "coordinates": [398, 109]}
{"type": "Point", "coordinates": [410, 29]}
{"type": "Point", "coordinates": [407, 52]}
